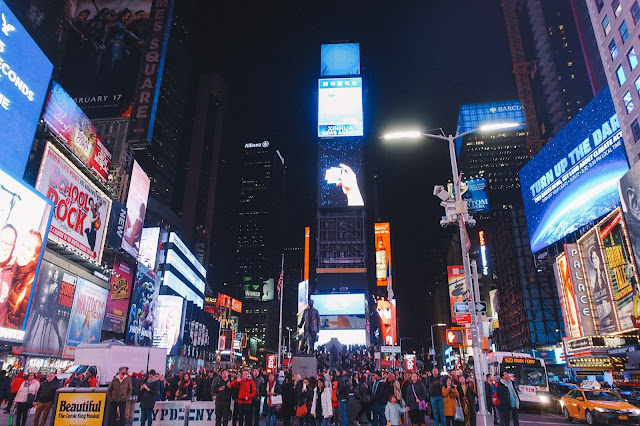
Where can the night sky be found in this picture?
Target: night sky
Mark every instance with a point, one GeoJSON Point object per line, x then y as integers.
{"type": "Point", "coordinates": [420, 61]}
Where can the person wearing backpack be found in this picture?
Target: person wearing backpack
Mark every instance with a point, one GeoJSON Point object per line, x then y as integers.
{"type": "Point", "coordinates": [490, 389]}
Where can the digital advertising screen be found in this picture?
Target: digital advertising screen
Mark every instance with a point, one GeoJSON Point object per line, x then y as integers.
{"type": "Point", "coordinates": [339, 304]}
{"type": "Point", "coordinates": [24, 79]}
{"type": "Point", "coordinates": [262, 290]}
{"type": "Point", "coordinates": [340, 107]}
{"type": "Point", "coordinates": [136, 209]}
{"type": "Point", "coordinates": [81, 208]}
{"type": "Point", "coordinates": [580, 290]}
{"type": "Point", "coordinates": [143, 308]}
{"type": "Point", "coordinates": [303, 295]}
{"type": "Point", "coordinates": [387, 328]}
{"type": "Point", "coordinates": [167, 327]}
{"type": "Point", "coordinates": [341, 169]}
{"type": "Point", "coordinates": [87, 314]}
{"type": "Point", "coordinates": [474, 193]}
{"type": "Point", "coordinates": [574, 178]}
{"type": "Point", "coordinates": [48, 321]}
{"type": "Point", "coordinates": [457, 287]}
{"type": "Point", "coordinates": [74, 129]}
{"type": "Point", "coordinates": [105, 43]}
{"type": "Point", "coordinates": [25, 217]}
{"type": "Point", "coordinates": [149, 246]}
{"type": "Point", "coordinates": [115, 318]}
{"type": "Point", "coordinates": [346, 337]}
{"type": "Point", "coordinates": [629, 189]}
{"type": "Point", "coordinates": [339, 59]}
{"type": "Point", "coordinates": [334, 322]}
{"type": "Point", "coordinates": [383, 254]}
{"type": "Point", "coordinates": [115, 229]}
{"type": "Point", "coordinates": [569, 303]}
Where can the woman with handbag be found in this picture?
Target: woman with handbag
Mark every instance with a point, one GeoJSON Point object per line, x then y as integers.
{"type": "Point", "coordinates": [305, 398]}
{"type": "Point", "coordinates": [450, 395]}
{"type": "Point", "coordinates": [416, 400]}
{"type": "Point", "coordinates": [273, 392]}
{"type": "Point", "coordinates": [467, 400]}
{"type": "Point", "coordinates": [24, 399]}
{"type": "Point", "coordinates": [321, 407]}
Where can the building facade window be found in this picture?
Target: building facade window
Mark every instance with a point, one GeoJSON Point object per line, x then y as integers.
{"type": "Point", "coordinates": [635, 129]}
{"type": "Point", "coordinates": [615, 5]}
{"type": "Point", "coordinates": [606, 25]}
{"type": "Point", "coordinates": [628, 102]}
{"type": "Point", "coordinates": [613, 50]}
{"type": "Point", "coordinates": [632, 58]}
{"type": "Point", "coordinates": [624, 32]}
{"type": "Point", "coordinates": [638, 85]}
{"type": "Point", "coordinates": [599, 4]}
{"type": "Point", "coordinates": [635, 12]}
{"type": "Point", "coordinates": [621, 75]}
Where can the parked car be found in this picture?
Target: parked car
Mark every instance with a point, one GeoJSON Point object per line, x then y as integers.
{"type": "Point", "coordinates": [556, 391]}
{"type": "Point", "coordinates": [598, 406]}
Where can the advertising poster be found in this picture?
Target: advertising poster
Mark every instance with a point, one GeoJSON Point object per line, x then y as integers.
{"type": "Point", "coordinates": [80, 409]}
{"type": "Point", "coordinates": [25, 217]}
{"type": "Point", "coordinates": [115, 230]}
{"type": "Point", "coordinates": [74, 129]}
{"type": "Point", "coordinates": [339, 304]}
{"type": "Point", "coordinates": [118, 300]}
{"type": "Point", "coordinates": [149, 246]}
{"type": "Point", "coordinates": [568, 300]}
{"type": "Point", "coordinates": [457, 287]}
{"type": "Point", "coordinates": [598, 281]}
{"type": "Point", "coordinates": [410, 363]}
{"type": "Point", "coordinates": [143, 308]}
{"type": "Point", "coordinates": [136, 209]}
{"type": "Point", "coordinates": [493, 299]}
{"type": "Point", "coordinates": [629, 189]}
{"type": "Point", "coordinates": [340, 107]}
{"type": "Point", "coordinates": [339, 59]}
{"type": "Point", "coordinates": [87, 314]}
{"type": "Point", "coordinates": [474, 192]}
{"type": "Point", "coordinates": [622, 272]}
{"type": "Point", "coordinates": [581, 290]}
{"type": "Point", "coordinates": [50, 311]}
{"type": "Point", "coordinates": [334, 322]}
{"type": "Point", "coordinates": [253, 349]}
{"type": "Point", "coordinates": [383, 254]}
{"type": "Point", "coordinates": [303, 294]}
{"type": "Point", "coordinates": [341, 167]}
{"type": "Point", "coordinates": [258, 289]}
{"type": "Point", "coordinates": [81, 209]}
{"type": "Point", "coordinates": [225, 339]}
{"type": "Point", "coordinates": [168, 321]}
{"type": "Point", "coordinates": [387, 314]}
{"type": "Point", "coordinates": [106, 40]}
{"type": "Point", "coordinates": [574, 178]}
{"type": "Point", "coordinates": [21, 60]}
{"type": "Point", "coordinates": [307, 240]}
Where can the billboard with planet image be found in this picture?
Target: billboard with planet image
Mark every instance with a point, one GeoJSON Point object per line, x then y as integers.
{"type": "Point", "coordinates": [573, 179]}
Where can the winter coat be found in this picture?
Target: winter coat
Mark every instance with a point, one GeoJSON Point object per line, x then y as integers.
{"type": "Point", "coordinates": [288, 399]}
{"type": "Point", "coordinates": [342, 392]}
{"type": "Point", "coordinates": [47, 390]}
{"type": "Point", "coordinates": [450, 396]}
{"type": "Point", "coordinates": [147, 398]}
{"type": "Point", "coordinates": [325, 399]}
{"type": "Point", "coordinates": [277, 389]}
{"type": "Point", "coordinates": [119, 391]}
{"type": "Point", "coordinates": [26, 389]}
{"type": "Point", "coordinates": [247, 390]}
{"type": "Point", "coordinates": [413, 390]}
{"type": "Point", "coordinates": [392, 413]}
{"type": "Point", "coordinates": [16, 383]}
{"type": "Point", "coordinates": [222, 396]}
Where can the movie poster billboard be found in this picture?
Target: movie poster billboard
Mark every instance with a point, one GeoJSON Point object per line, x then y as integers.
{"type": "Point", "coordinates": [81, 209]}
{"type": "Point", "coordinates": [622, 273]}
{"type": "Point", "coordinates": [118, 300]}
{"type": "Point", "coordinates": [388, 327]}
{"type": "Point", "coordinates": [568, 300]}
{"type": "Point", "coordinates": [24, 78]}
{"type": "Point", "coordinates": [87, 314]}
{"type": "Point", "coordinates": [383, 254]}
{"type": "Point", "coordinates": [136, 209]}
{"type": "Point", "coordinates": [50, 311]}
{"type": "Point", "coordinates": [629, 189]}
{"type": "Point", "coordinates": [457, 287]}
{"type": "Point", "coordinates": [25, 217]}
{"type": "Point", "coordinates": [168, 323]}
{"type": "Point", "coordinates": [143, 311]}
{"type": "Point", "coordinates": [584, 302]}
{"type": "Point", "coordinates": [598, 281]}
{"type": "Point", "coordinates": [74, 129]}
{"type": "Point", "coordinates": [106, 41]}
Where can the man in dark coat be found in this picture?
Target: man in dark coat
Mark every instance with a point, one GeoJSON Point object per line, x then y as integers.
{"type": "Point", "coordinates": [44, 397]}
{"type": "Point", "coordinates": [222, 394]}
{"type": "Point", "coordinates": [147, 398]}
{"type": "Point", "coordinates": [509, 400]}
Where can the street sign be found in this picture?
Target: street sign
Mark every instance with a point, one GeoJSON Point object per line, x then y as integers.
{"type": "Point", "coordinates": [390, 349]}
{"type": "Point", "coordinates": [461, 308]}
{"type": "Point", "coordinates": [481, 307]}
{"type": "Point", "coordinates": [462, 319]}
{"type": "Point", "coordinates": [432, 352]}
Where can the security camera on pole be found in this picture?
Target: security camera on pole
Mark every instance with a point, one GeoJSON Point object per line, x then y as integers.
{"type": "Point", "coordinates": [456, 213]}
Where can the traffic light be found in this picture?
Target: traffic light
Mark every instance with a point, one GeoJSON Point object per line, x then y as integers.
{"type": "Point", "coordinates": [455, 337]}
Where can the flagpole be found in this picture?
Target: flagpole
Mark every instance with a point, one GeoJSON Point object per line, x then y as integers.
{"type": "Point", "coordinates": [281, 295]}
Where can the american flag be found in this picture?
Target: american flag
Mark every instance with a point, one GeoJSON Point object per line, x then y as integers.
{"type": "Point", "coordinates": [280, 282]}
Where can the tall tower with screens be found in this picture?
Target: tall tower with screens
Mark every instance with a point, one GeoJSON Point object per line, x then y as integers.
{"type": "Point", "coordinates": [341, 255]}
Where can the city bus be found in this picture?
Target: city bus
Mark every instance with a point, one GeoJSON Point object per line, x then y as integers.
{"type": "Point", "coordinates": [529, 375]}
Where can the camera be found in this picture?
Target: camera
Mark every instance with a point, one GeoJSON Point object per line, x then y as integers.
{"type": "Point", "coordinates": [444, 222]}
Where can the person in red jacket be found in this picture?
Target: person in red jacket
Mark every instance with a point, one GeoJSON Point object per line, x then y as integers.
{"type": "Point", "coordinates": [14, 387]}
{"type": "Point", "coordinates": [247, 390]}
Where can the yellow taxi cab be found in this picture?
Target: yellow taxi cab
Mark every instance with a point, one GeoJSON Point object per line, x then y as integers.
{"type": "Point", "coordinates": [598, 406]}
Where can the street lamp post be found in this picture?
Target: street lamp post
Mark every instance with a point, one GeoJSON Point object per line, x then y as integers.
{"type": "Point", "coordinates": [460, 217]}
{"type": "Point", "coordinates": [433, 346]}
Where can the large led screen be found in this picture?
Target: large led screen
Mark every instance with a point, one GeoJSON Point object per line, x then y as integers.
{"type": "Point", "coordinates": [387, 328]}
{"type": "Point", "coordinates": [25, 217]}
{"type": "Point", "coordinates": [143, 307]}
{"type": "Point", "coordinates": [136, 209]}
{"type": "Point", "coordinates": [339, 59]}
{"type": "Point", "coordinates": [81, 208]}
{"type": "Point", "coordinates": [346, 337]}
{"type": "Point", "coordinates": [258, 289]}
{"type": "Point", "coordinates": [119, 294]}
{"type": "Point", "coordinates": [340, 107]}
{"type": "Point", "coordinates": [573, 179]}
{"type": "Point", "coordinates": [74, 129]}
{"type": "Point", "coordinates": [341, 173]}
{"type": "Point", "coordinates": [24, 78]}
{"type": "Point", "coordinates": [339, 304]}
{"type": "Point", "coordinates": [87, 314]}
{"type": "Point", "coordinates": [167, 327]}
{"type": "Point", "coordinates": [629, 188]}
{"type": "Point", "coordinates": [474, 192]}
{"type": "Point", "coordinates": [383, 254]}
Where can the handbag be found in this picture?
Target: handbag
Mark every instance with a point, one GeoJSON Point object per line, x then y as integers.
{"type": "Point", "coordinates": [276, 400]}
{"type": "Point", "coordinates": [459, 417]}
{"type": "Point", "coordinates": [301, 411]}
{"type": "Point", "coordinates": [422, 405]}
{"type": "Point", "coordinates": [494, 399]}
{"type": "Point", "coordinates": [30, 398]}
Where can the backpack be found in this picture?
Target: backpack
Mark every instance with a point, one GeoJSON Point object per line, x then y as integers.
{"type": "Point", "coordinates": [494, 399]}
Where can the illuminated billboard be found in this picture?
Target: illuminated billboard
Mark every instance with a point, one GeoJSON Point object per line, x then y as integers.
{"type": "Point", "coordinates": [105, 43]}
{"type": "Point", "coordinates": [115, 228]}
{"type": "Point", "coordinates": [74, 129]}
{"type": "Point", "coordinates": [307, 240]}
{"type": "Point", "coordinates": [342, 322]}
{"type": "Point", "coordinates": [457, 287]}
{"type": "Point", "coordinates": [573, 179]}
{"type": "Point", "coordinates": [346, 337]}
{"type": "Point", "coordinates": [339, 304]}
{"type": "Point", "coordinates": [383, 254]}
{"type": "Point", "coordinates": [339, 59]}
{"type": "Point", "coordinates": [258, 289]}
{"type": "Point", "coordinates": [119, 294]}
{"type": "Point", "coordinates": [24, 78]}
{"type": "Point", "coordinates": [149, 246]}
{"type": "Point", "coordinates": [473, 116]}
{"type": "Point", "coordinates": [387, 328]}
{"type": "Point", "coordinates": [81, 208]}
{"type": "Point", "coordinates": [341, 169]}
{"type": "Point", "coordinates": [168, 323]}
{"type": "Point", "coordinates": [87, 314]}
{"type": "Point", "coordinates": [143, 306]}
{"type": "Point", "coordinates": [569, 303]}
{"type": "Point", "coordinates": [136, 209]}
{"type": "Point", "coordinates": [25, 217]}
{"type": "Point", "coordinates": [303, 294]}
{"type": "Point", "coordinates": [629, 189]}
{"type": "Point", "coordinates": [484, 257]}
{"type": "Point", "coordinates": [340, 107]}
{"type": "Point", "coordinates": [474, 193]}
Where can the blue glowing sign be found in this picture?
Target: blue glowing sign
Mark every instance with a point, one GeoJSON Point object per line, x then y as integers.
{"type": "Point", "coordinates": [574, 178]}
{"type": "Point", "coordinates": [339, 59]}
{"type": "Point", "coordinates": [339, 304]}
{"type": "Point", "coordinates": [474, 192]}
{"type": "Point", "coordinates": [340, 107]}
{"type": "Point", "coordinates": [24, 78]}
{"type": "Point", "coordinates": [475, 115]}
{"type": "Point", "coordinates": [341, 177]}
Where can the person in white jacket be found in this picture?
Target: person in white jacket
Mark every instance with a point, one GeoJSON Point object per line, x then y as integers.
{"type": "Point", "coordinates": [23, 402]}
{"type": "Point", "coordinates": [321, 405]}
{"type": "Point", "coordinates": [392, 411]}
